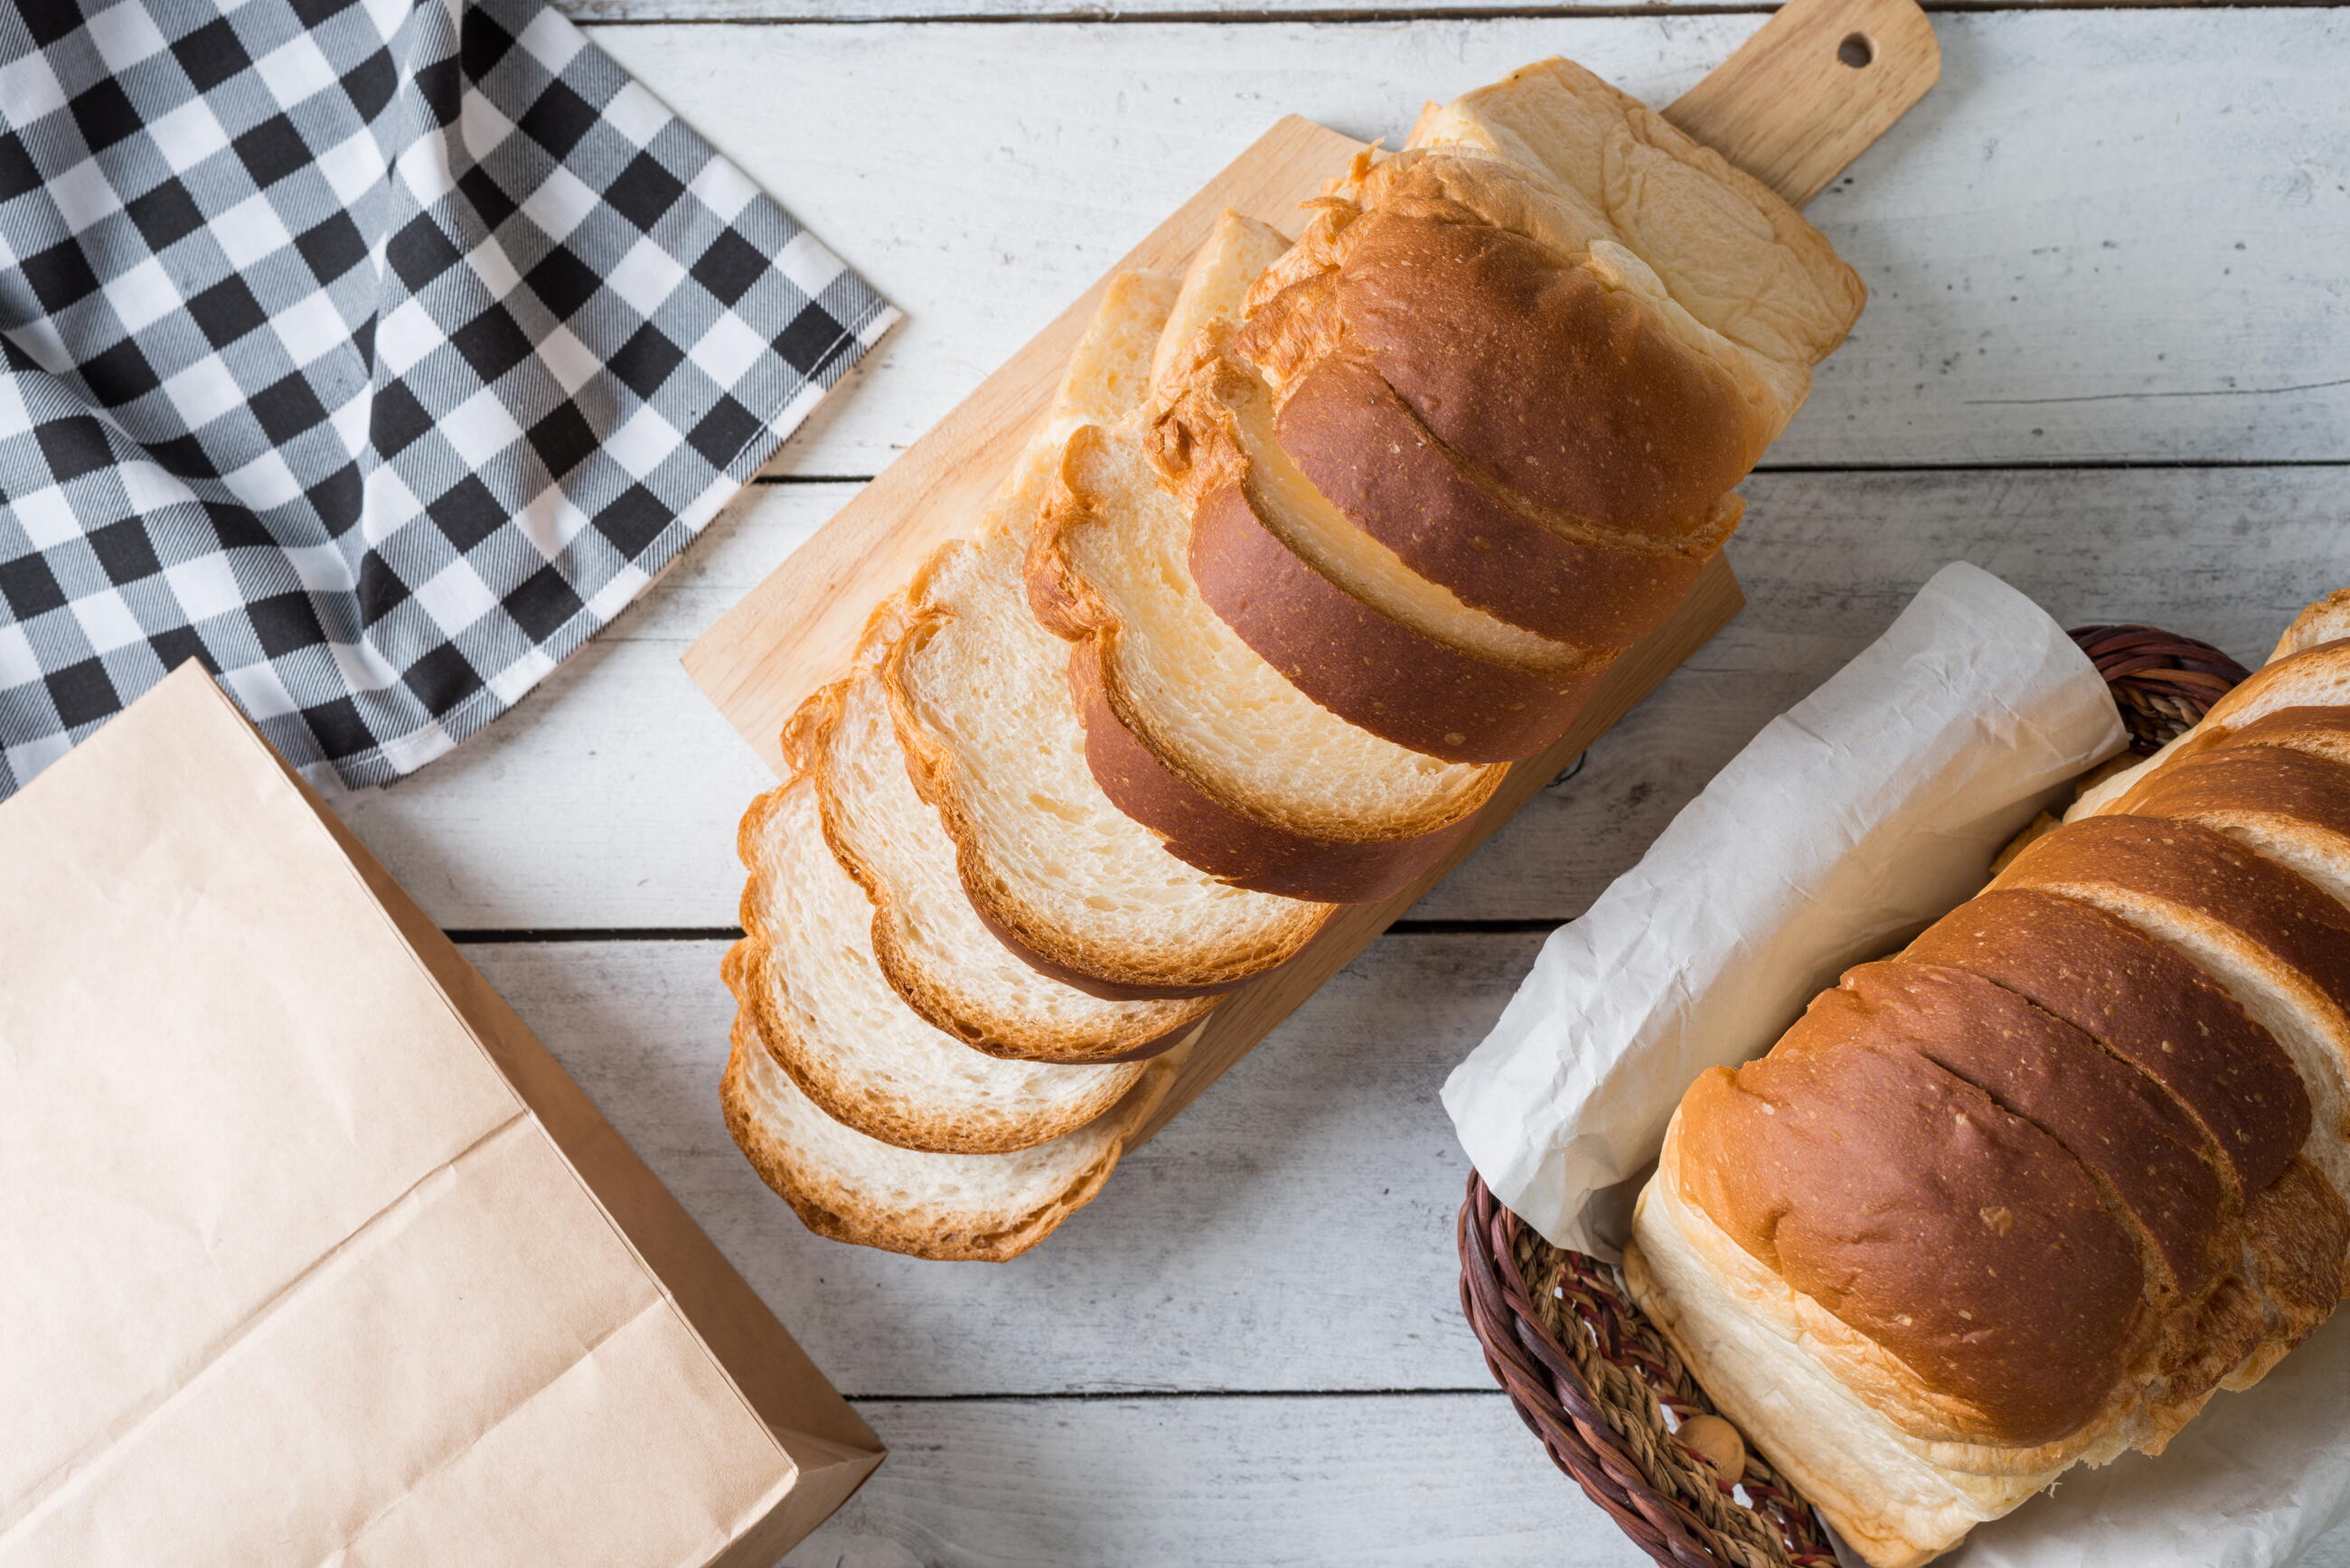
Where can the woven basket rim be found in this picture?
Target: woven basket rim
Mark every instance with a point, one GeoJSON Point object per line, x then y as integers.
{"type": "Point", "coordinates": [1596, 1382]}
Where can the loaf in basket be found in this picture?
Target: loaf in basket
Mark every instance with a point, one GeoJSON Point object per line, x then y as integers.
{"type": "Point", "coordinates": [1315, 542]}
{"type": "Point", "coordinates": [2030, 1192]}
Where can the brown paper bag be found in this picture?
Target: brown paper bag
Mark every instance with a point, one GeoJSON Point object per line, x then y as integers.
{"type": "Point", "coordinates": [309, 1253]}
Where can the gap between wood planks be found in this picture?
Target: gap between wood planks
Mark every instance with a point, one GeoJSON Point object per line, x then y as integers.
{"type": "Point", "coordinates": [1168, 1396]}
{"type": "Point", "coordinates": [516, 936]}
{"type": "Point", "coordinates": [2015, 465]}
{"type": "Point", "coordinates": [629, 16]}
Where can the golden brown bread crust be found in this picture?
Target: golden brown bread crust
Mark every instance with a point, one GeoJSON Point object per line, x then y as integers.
{"type": "Point", "coordinates": [2320, 732]}
{"type": "Point", "coordinates": [2318, 671]}
{"type": "Point", "coordinates": [1912, 1208]}
{"type": "Point", "coordinates": [1364, 665]}
{"type": "Point", "coordinates": [1045, 961]}
{"type": "Point", "coordinates": [2148, 1159]}
{"type": "Point", "coordinates": [1562, 577]}
{"type": "Point", "coordinates": [2197, 868]}
{"type": "Point", "coordinates": [1600, 412]}
{"type": "Point", "coordinates": [2244, 780]}
{"type": "Point", "coordinates": [2146, 1004]}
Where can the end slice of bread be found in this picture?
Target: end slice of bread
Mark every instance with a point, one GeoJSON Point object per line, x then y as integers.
{"type": "Point", "coordinates": [1722, 245]}
{"type": "Point", "coordinates": [2327, 620]}
{"type": "Point", "coordinates": [970, 1207]}
{"type": "Point", "coordinates": [805, 970]}
{"type": "Point", "coordinates": [929, 941]}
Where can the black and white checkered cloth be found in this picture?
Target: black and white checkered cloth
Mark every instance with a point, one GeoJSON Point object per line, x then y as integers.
{"type": "Point", "coordinates": [375, 352]}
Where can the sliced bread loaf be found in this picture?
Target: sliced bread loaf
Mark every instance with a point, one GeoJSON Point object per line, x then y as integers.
{"type": "Point", "coordinates": [928, 938]}
{"type": "Point", "coordinates": [805, 971]}
{"type": "Point", "coordinates": [1188, 730]}
{"type": "Point", "coordinates": [1469, 445]}
{"type": "Point", "coordinates": [980, 694]}
{"type": "Point", "coordinates": [852, 1188]}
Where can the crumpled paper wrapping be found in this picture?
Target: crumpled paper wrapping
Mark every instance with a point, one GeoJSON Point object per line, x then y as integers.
{"type": "Point", "coordinates": [1850, 823]}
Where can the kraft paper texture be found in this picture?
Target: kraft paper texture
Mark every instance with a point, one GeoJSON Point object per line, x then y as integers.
{"type": "Point", "coordinates": [313, 1255]}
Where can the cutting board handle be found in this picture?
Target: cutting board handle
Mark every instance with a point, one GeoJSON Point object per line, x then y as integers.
{"type": "Point", "coordinates": [1811, 88]}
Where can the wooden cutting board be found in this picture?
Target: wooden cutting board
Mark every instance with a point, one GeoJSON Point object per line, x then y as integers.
{"type": "Point", "coordinates": [1797, 102]}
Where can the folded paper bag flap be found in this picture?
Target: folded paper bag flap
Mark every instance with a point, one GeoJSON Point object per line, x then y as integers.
{"type": "Point", "coordinates": [316, 1254]}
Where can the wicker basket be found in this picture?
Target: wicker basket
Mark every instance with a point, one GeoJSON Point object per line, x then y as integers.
{"type": "Point", "coordinates": [1591, 1377]}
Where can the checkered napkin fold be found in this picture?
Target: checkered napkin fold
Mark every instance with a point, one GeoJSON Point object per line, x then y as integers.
{"type": "Point", "coordinates": [375, 352]}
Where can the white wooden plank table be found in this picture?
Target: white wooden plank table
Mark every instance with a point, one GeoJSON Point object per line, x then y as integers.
{"type": "Point", "coordinates": [2104, 358]}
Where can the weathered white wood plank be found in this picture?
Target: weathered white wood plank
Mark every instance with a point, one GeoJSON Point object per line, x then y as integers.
{"type": "Point", "coordinates": [1290, 1230]}
{"type": "Point", "coordinates": [1291, 1233]}
{"type": "Point", "coordinates": [1441, 1481]}
{"type": "Point", "coordinates": [1228, 1483]}
{"type": "Point", "coordinates": [610, 798]}
{"type": "Point", "coordinates": [2106, 234]}
{"type": "Point", "coordinates": [1448, 1479]}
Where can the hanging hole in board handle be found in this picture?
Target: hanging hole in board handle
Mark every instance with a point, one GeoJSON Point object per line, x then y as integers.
{"type": "Point", "coordinates": [1858, 50]}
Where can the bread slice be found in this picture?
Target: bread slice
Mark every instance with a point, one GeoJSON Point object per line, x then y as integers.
{"type": "Point", "coordinates": [1187, 729]}
{"type": "Point", "coordinates": [2292, 806]}
{"type": "Point", "coordinates": [2327, 620]}
{"type": "Point", "coordinates": [805, 971]}
{"type": "Point", "coordinates": [929, 941]}
{"type": "Point", "coordinates": [1336, 611]}
{"type": "Point", "coordinates": [1194, 734]}
{"type": "Point", "coordinates": [1558, 575]}
{"type": "Point", "coordinates": [973, 1206]}
{"type": "Point", "coordinates": [980, 694]}
{"type": "Point", "coordinates": [2278, 944]}
{"type": "Point", "coordinates": [1720, 244]}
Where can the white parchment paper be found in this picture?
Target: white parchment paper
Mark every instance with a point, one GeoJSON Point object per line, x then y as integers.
{"type": "Point", "coordinates": [1862, 815]}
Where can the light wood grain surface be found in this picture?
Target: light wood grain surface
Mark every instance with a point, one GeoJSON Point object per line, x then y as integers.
{"type": "Point", "coordinates": [2104, 358]}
